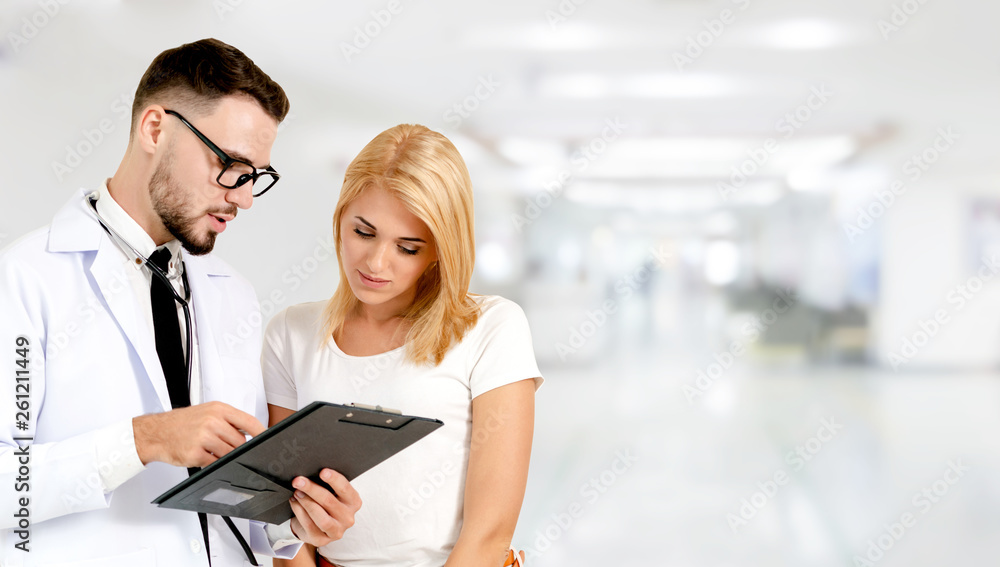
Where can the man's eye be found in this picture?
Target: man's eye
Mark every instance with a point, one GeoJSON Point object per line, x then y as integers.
{"type": "Point", "coordinates": [362, 234]}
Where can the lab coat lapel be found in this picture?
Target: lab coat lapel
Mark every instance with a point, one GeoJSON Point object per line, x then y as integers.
{"type": "Point", "coordinates": [110, 274]}
{"type": "Point", "coordinates": [207, 306]}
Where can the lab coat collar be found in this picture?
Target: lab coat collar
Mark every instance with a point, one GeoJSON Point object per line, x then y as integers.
{"type": "Point", "coordinates": [75, 228]}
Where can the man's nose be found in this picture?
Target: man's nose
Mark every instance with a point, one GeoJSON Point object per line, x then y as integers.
{"type": "Point", "coordinates": [241, 196]}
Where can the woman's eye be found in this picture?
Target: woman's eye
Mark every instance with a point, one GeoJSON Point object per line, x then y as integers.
{"type": "Point", "coordinates": [406, 250]}
{"type": "Point", "coordinates": [363, 234]}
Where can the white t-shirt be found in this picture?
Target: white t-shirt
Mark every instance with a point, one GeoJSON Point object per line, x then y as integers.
{"type": "Point", "coordinates": [411, 511]}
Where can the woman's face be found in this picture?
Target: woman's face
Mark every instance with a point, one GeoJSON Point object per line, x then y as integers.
{"type": "Point", "coordinates": [385, 250]}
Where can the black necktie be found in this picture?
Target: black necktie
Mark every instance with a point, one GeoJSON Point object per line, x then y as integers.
{"type": "Point", "coordinates": [167, 330]}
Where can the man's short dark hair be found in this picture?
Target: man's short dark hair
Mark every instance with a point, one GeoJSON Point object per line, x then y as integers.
{"type": "Point", "coordinates": [196, 75]}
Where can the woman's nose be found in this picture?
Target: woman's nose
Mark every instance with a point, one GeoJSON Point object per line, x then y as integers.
{"type": "Point", "coordinates": [377, 259]}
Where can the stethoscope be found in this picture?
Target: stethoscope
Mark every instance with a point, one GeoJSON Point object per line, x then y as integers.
{"type": "Point", "coordinates": [157, 272]}
{"type": "Point", "coordinates": [188, 335]}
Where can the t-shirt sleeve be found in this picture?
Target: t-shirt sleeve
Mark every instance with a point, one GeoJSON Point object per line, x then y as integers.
{"type": "Point", "coordinates": [279, 385]}
{"type": "Point", "coordinates": [501, 352]}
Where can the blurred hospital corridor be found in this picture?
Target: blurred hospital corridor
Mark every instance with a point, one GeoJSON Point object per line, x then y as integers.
{"type": "Point", "coordinates": [755, 241]}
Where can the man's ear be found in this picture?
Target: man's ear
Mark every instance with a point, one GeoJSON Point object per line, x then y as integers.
{"type": "Point", "coordinates": [149, 129]}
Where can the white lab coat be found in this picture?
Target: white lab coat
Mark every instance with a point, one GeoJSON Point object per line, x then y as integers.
{"type": "Point", "coordinates": [93, 363]}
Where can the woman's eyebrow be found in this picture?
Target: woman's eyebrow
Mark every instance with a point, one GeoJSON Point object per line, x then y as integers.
{"type": "Point", "coordinates": [406, 238]}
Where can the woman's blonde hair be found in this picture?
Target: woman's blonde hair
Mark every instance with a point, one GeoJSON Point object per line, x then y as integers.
{"type": "Point", "coordinates": [424, 170]}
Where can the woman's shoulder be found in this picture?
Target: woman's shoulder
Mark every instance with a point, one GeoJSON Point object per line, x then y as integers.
{"type": "Point", "coordinates": [298, 318]}
{"type": "Point", "coordinates": [496, 310]}
{"type": "Point", "coordinates": [493, 303]}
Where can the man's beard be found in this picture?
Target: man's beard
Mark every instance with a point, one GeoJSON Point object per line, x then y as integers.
{"type": "Point", "coordinates": [168, 202]}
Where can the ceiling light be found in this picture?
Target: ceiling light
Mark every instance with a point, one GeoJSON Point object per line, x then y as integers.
{"type": "Point", "coordinates": [532, 152]}
{"type": "Point", "coordinates": [803, 34]}
{"type": "Point", "coordinates": [644, 85]}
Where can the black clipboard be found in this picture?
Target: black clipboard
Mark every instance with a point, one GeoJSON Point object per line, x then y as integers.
{"type": "Point", "coordinates": [254, 480]}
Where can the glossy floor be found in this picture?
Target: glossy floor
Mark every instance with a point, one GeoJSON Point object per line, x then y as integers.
{"type": "Point", "coordinates": [797, 467]}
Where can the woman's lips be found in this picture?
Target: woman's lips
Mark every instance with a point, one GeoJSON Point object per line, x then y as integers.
{"type": "Point", "coordinates": [372, 282]}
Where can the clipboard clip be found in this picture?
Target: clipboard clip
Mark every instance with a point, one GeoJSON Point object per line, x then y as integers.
{"type": "Point", "coordinates": [376, 408]}
{"type": "Point", "coordinates": [375, 416]}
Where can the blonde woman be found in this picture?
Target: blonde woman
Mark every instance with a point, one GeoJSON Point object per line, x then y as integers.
{"type": "Point", "coordinates": [403, 331]}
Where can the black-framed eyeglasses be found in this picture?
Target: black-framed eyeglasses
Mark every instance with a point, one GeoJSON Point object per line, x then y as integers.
{"type": "Point", "coordinates": [235, 173]}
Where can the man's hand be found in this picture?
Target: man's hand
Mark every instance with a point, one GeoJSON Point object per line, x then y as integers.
{"type": "Point", "coordinates": [195, 436]}
{"type": "Point", "coordinates": [322, 515]}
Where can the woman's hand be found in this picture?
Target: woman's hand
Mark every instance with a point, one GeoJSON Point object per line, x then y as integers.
{"type": "Point", "coordinates": [323, 515]}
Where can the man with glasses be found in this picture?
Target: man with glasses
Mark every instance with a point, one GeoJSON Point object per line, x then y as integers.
{"type": "Point", "coordinates": [114, 327]}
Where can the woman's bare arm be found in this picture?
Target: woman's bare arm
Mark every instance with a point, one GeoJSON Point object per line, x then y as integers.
{"type": "Point", "coordinates": [503, 422]}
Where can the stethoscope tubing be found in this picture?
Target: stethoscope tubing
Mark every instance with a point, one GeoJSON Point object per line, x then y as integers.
{"type": "Point", "coordinates": [154, 269]}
